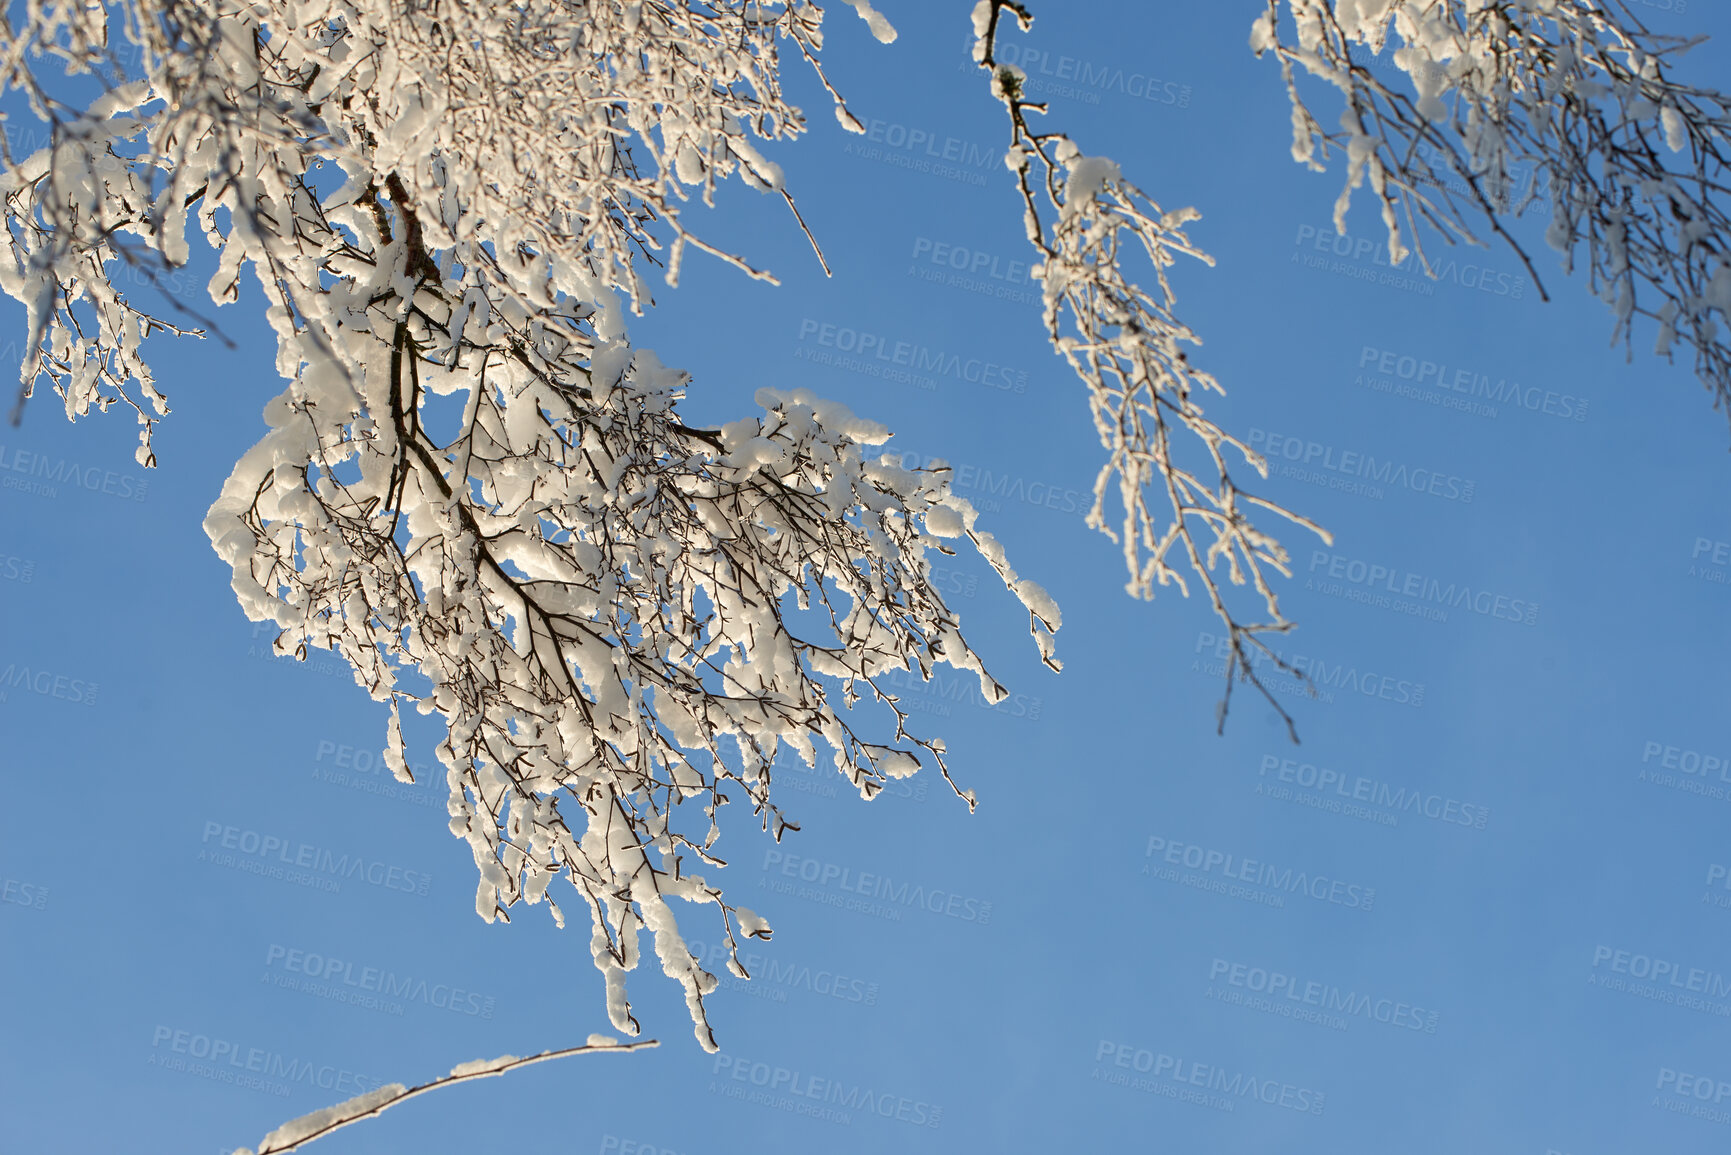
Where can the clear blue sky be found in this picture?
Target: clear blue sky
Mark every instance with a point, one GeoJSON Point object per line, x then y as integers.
{"type": "Point", "coordinates": [1487, 906]}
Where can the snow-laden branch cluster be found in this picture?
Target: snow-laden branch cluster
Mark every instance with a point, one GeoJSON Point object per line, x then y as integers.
{"type": "Point", "coordinates": [555, 140]}
{"type": "Point", "coordinates": [1563, 105]}
{"type": "Point", "coordinates": [1182, 508]}
{"type": "Point", "coordinates": [473, 476]}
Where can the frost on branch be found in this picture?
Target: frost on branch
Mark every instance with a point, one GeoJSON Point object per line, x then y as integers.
{"type": "Point", "coordinates": [1565, 108]}
{"type": "Point", "coordinates": [1170, 463]}
{"type": "Point", "coordinates": [597, 595]}
{"type": "Point", "coordinates": [559, 139]}
{"type": "Point", "coordinates": [472, 475]}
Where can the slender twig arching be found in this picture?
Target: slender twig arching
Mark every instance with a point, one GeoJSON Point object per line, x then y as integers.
{"type": "Point", "coordinates": [298, 1133]}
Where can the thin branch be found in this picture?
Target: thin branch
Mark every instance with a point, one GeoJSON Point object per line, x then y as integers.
{"type": "Point", "coordinates": [297, 1133]}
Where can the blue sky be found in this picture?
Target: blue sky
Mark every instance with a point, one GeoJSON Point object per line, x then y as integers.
{"type": "Point", "coordinates": [1482, 908]}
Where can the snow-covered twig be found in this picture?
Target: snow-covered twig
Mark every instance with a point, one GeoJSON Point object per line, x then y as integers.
{"type": "Point", "coordinates": [299, 1132]}
{"type": "Point", "coordinates": [1568, 107]}
{"type": "Point", "coordinates": [1126, 342]}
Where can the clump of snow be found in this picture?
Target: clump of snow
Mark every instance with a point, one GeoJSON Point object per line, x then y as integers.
{"type": "Point", "coordinates": [483, 1066]}
{"type": "Point", "coordinates": [1034, 596]}
{"type": "Point", "coordinates": [298, 1130]}
{"type": "Point", "coordinates": [881, 28]}
{"type": "Point", "coordinates": [944, 522]}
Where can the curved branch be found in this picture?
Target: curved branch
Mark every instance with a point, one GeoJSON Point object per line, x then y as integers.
{"type": "Point", "coordinates": [297, 1133]}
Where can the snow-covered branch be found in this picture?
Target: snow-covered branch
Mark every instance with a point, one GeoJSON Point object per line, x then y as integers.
{"type": "Point", "coordinates": [297, 1133]}
{"type": "Point", "coordinates": [473, 476]}
{"type": "Point", "coordinates": [1170, 462]}
{"type": "Point", "coordinates": [1567, 107]}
